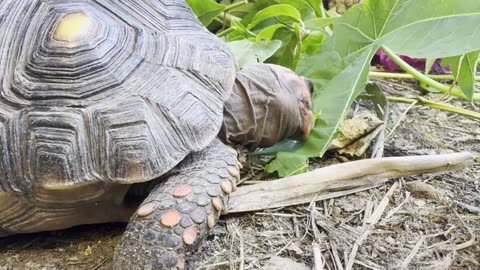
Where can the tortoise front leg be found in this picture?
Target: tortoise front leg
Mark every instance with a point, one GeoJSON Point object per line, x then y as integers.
{"type": "Point", "coordinates": [179, 211]}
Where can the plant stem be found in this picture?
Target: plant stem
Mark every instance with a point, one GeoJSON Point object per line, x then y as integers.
{"type": "Point", "coordinates": [392, 75]}
{"type": "Point", "coordinates": [235, 5]}
{"type": "Point", "coordinates": [227, 18]}
{"type": "Point", "coordinates": [454, 91]}
{"type": "Point", "coordinates": [436, 105]}
{"type": "Point", "coordinates": [226, 31]}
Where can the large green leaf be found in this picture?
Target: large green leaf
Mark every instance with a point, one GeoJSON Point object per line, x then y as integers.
{"type": "Point", "coordinates": [248, 52]}
{"type": "Point", "coordinates": [464, 69]}
{"type": "Point", "coordinates": [423, 29]}
{"type": "Point", "coordinates": [206, 10]}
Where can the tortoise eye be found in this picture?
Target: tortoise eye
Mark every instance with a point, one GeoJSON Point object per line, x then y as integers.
{"type": "Point", "coordinates": [309, 83]}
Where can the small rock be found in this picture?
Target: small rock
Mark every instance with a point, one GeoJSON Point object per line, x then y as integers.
{"type": "Point", "coordinates": [279, 263]}
{"type": "Point", "coordinates": [73, 259]}
{"type": "Point", "coordinates": [295, 248]}
{"type": "Point", "coordinates": [88, 251]}
{"type": "Point", "coordinates": [419, 202]}
{"type": "Point", "coordinates": [390, 241]}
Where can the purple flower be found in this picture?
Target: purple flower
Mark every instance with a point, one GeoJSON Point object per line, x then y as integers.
{"type": "Point", "coordinates": [417, 63]}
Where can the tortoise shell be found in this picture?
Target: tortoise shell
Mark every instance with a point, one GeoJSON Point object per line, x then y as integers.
{"type": "Point", "coordinates": [104, 91]}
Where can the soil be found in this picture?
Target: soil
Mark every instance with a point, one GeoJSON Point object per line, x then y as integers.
{"type": "Point", "coordinates": [430, 222]}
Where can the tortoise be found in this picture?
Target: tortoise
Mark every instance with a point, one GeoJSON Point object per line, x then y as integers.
{"type": "Point", "coordinates": [120, 111]}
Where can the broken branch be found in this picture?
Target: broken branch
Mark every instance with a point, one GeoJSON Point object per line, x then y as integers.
{"type": "Point", "coordinates": [340, 179]}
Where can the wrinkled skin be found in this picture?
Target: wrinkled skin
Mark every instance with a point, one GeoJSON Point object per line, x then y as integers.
{"type": "Point", "coordinates": [269, 103]}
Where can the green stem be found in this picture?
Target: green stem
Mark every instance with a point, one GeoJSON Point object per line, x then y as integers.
{"type": "Point", "coordinates": [235, 5]}
{"type": "Point", "coordinates": [228, 18]}
{"type": "Point", "coordinates": [436, 105]}
{"type": "Point", "coordinates": [392, 75]}
{"type": "Point", "coordinates": [226, 31]}
{"type": "Point", "coordinates": [454, 91]}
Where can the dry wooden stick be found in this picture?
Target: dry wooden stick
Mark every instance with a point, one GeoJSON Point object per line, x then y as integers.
{"type": "Point", "coordinates": [336, 257]}
{"type": "Point", "coordinates": [340, 179]}
{"type": "Point", "coordinates": [317, 257]}
{"type": "Point", "coordinates": [380, 209]}
{"type": "Point", "coordinates": [317, 253]}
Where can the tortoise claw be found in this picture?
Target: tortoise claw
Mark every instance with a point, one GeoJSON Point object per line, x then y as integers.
{"type": "Point", "coordinates": [146, 209]}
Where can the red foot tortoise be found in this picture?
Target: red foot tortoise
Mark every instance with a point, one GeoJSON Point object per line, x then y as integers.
{"type": "Point", "coordinates": [109, 111]}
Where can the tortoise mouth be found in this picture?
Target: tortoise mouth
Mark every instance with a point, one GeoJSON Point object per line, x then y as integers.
{"type": "Point", "coordinates": [308, 120]}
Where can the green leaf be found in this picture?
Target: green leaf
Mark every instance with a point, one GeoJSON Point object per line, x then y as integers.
{"type": "Point", "coordinates": [286, 145]}
{"type": "Point", "coordinates": [306, 11]}
{"type": "Point", "coordinates": [318, 24]}
{"type": "Point", "coordinates": [206, 10]}
{"type": "Point", "coordinates": [313, 42]}
{"type": "Point", "coordinates": [429, 64]}
{"type": "Point", "coordinates": [317, 5]}
{"type": "Point", "coordinates": [287, 164]}
{"type": "Point", "coordinates": [275, 11]}
{"type": "Point", "coordinates": [248, 52]}
{"type": "Point", "coordinates": [464, 69]}
{"type": "Point", "coordinates": [269, 32]}
{"type": "Point", "coordinates": [340, 69]}
{"type": "Point", "coordinates": [290, 52]}
{"type": "Point", "coordinates": [340, 81]}
{"type": "Point", "coordinates": [335, 97]}
{"type": "Point", "coordinates": [240, 32]}
{"type": "Point", "coordinates": [420, 29]}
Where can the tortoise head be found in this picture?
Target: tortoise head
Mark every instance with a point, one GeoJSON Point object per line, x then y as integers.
{"type": "Point", "coordinates": [269, 103]}
{"type": "Point", "coordinates": [301, 89]}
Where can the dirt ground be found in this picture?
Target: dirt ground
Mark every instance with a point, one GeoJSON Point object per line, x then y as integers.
{"type": "Point", "coordinates": [431, 221]}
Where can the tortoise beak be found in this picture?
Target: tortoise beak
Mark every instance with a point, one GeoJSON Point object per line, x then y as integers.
{"type": "Point", "coordinates": [308, 121]}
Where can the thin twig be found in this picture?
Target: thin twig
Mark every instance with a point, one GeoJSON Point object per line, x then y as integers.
{"type": "Point", "coordinates": [419, 243]}
{"type": "Point", "coordinates": [336, 257]}
{"type": "Point", "coordinates": [470, 208]}
{"type": "Point", "coordinates": [216, 264]}
{"type": "Point", "coordinates": [101, 263]}
{"type": "Point", "coordinates": [394, 210]}
{"type": "Point", "coordinates": [375, 217]}
{"type": "Point", "coordinates": [371, 221]}
{"type": "Point", "coordinates": [404, 114]}
{"type": "Point", "coordinates": [317, 257]}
